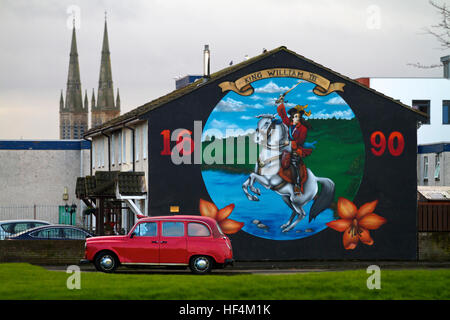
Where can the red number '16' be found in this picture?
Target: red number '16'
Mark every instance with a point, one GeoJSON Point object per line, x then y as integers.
{"type": "Point", "coordinates": [378, 141]}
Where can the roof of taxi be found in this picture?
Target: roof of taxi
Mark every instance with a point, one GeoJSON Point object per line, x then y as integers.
{"type": "Point", "coordinates": [179, 217]}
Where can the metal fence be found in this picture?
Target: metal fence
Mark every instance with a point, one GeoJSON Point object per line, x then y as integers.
{"type": "Point", "coordinates": [49, 213]}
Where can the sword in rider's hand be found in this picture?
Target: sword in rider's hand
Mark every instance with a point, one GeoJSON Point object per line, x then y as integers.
{"type": "Point", "coordinates": [281, 97]}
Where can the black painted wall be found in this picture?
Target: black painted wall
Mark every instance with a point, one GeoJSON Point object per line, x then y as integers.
{"type": "Point", "coordinates": [391, 180]}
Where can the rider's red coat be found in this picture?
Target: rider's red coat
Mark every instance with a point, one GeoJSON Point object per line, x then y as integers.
{"type": "Point", "coordinates": [297, 134]}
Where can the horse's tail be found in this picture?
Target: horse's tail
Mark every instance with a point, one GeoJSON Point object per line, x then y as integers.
{"type": "Point", "coordinates": [324, 199]}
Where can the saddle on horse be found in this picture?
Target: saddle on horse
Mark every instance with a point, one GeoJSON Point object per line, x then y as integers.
{"type": "Point", "coordinates": [293, 170]}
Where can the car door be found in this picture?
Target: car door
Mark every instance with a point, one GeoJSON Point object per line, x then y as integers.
{"type": "Point", "coordinates": [173, 244]}
{"type": "Point", "coordinates": [143, 246]}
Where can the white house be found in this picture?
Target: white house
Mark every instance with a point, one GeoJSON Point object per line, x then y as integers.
{"type": "Point", "coordinates": [431, 96]}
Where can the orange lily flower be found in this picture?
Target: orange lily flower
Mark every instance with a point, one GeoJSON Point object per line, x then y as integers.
{"type": "Point", "coordinates": [228, 226]}
{"type": "Point", "coordinates": [356, 223]}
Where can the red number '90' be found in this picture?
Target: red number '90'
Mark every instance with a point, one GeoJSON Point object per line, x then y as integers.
{"type": "Point", "coordinates": [378, 141]}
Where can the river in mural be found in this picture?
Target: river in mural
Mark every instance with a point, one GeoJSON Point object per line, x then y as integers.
{"type": "Point", "coordinates": [262, 218]}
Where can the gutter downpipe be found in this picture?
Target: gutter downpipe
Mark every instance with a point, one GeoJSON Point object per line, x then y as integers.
{"type": "Point", "coordinates": [109, 150]}
{"type": "Point", "coordinates": [134, 146]}
{"type": "Point", "coordinates": [90, 154]}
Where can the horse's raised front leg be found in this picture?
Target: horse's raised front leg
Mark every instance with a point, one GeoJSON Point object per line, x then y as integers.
{"type": "Point", "coordinates": [249, 183]}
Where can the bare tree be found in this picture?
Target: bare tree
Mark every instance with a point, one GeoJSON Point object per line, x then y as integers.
{"type": "Point", "coordinates": [440, 31]}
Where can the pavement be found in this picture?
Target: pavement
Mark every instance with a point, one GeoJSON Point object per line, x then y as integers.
{"type": "Point", "coordinates": [276, 267]}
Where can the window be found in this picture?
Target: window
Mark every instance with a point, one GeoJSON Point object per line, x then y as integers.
{"type": "Point", "coordinates": [423, 106]}
{"type": "Point", "coordinates": [50, 233]}
{"type": "Point", "coordinates": [124, 147]}
{"type": "Point", "coordinates": [119, 149]}
{"type": "Point", "coordinates": [173, 229]}
{"type": "Point", "coordinates": [437, 165]}
{"type": "Point", "coordinates": [144, 141]}
{"type": "Point", "coordinates": [445, 111]}
{"type": "Point", "coordinates": [102, 152]}
{"type": "Point", "coordinates": [138, 142]}
{"type": "Point", "coordinates": [146, 229]}
{"type": "Point", "coordinates": [113, 150]}
{"type": "Point", "coordinates": [74, 234]}
{"type": "Point", "coordinates": [98, 152]}
{"type": "Point", "coordinates": [94, 149]}
{"type": "Point", "coordinates": [198, 230]}
{"type": "Point", "coordinates": [425, 168]}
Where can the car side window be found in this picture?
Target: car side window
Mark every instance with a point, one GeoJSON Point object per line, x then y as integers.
{"type": "Point", "coordinates": [198, 230]}
{"type": "Point", "coordinates": [74, 234]}
{"type": "Point", "coordinates": [22, 226]}
{"type": "Point", "coordinates": [47, 233]}
{"type": "Point", "coordinates": [8, 227]}
{"type": "Point", "coordinates": [146, 229]}
{"type": "Point", "coordinates": [173, 229]}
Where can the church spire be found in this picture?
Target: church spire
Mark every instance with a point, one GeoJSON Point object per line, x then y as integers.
{"type": "Point", "coordinates": [93, 99]}
{"type": "Point", "coordinates": [61, 101]}
{"type": "Point", "coordinates": [73, 117]}
{"type": "Point", "coordinates": [73, 92]}
{"type": "Point", "coordinates": [86, 101]}
{"type": "Point", "coordinates": [105, 109]}
{"type": "Point", "coordinates": [118, 99]}
{"type": "Point", "coordinates": [105, 98]}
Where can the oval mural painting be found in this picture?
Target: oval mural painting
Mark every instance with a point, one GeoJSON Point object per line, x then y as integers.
{"type": "Point", "coordinates": [282, 155]}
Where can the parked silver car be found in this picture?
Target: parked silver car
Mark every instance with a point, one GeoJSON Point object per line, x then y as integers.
{"type": "Point", "coordinates": [11, 227]}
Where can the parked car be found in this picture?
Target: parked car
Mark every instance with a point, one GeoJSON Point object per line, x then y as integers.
{"type": "Point", "coordinates": [52, 232]}
{"type": "Point", "coordinates": [11, 227]}
{"type": "Point", "coordinates": [194, 241]}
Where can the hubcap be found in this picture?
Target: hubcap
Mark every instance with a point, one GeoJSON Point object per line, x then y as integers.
{"type": "Point", "coordinates": [107, 262]}
{"type": "Point", "coordinates": [201, 264]}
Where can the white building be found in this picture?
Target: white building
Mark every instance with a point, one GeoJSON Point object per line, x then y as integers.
{"type": "Point", "coordinates": [37, 178]}
{"type": "Point", "coordinates": [122, 147]}
{"type": "Point", "coordinates": [431, 96]}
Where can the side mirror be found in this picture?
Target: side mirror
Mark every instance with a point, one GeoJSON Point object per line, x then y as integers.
{"type": "Point", "coordinates": [132, 235]}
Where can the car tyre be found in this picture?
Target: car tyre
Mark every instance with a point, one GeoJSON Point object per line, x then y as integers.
{"type": "Point", "coordinates": [106, 262]}
{"type": "Point", "coordinates": [200, 264]}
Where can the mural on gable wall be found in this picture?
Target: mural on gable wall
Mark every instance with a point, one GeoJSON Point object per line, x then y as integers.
{"type": "Point", "coordinates": [286, 157]}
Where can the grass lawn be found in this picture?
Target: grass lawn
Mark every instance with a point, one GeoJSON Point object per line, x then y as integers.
{"type": "Point", "coordinates": [24, 281]}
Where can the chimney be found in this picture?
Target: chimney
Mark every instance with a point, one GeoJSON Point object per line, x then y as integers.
{"type": "Point", "coordinates": [206, 62]}
{"type": "Point", "coordinates": [445, 61]}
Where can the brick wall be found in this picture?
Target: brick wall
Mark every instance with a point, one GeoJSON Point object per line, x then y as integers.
{"type": "Point", "coordinates": [434, 246]}
{"type": "Point", "coordinates": [52, 252]}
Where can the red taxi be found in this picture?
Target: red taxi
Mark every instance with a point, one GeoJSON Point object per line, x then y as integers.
{"type": "Point", "coordinates": [194, 241]}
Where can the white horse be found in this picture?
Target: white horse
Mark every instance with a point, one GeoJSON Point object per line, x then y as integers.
{"type": "Point", "coordinates": [273, 136]}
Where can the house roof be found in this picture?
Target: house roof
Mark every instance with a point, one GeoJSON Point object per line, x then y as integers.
{"type": "Point", "coordinates": [137, 112]}
{"type": "Point", "coordinates": [434, 193]}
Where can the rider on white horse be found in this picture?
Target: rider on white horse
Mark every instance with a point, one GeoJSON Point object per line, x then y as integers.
{"type": "Point", "coordinates": [298, 129]}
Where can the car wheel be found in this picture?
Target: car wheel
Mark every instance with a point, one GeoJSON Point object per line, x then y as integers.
{"type": "Point", "coordinates": [106, 262]}
{"type": "Point", "coordinates": [200, 264]}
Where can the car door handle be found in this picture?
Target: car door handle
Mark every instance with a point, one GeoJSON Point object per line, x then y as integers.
{"type": "Point", "coordinates": [163, 241]}
{"type": "Point", "coordinates": [155, 242]}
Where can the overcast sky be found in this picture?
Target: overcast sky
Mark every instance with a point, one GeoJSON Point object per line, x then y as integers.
{"type": "Point", "coordinates": [153, 41]}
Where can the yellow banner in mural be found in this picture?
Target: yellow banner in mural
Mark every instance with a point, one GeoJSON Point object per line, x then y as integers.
{"type": "Point", "coordinates": [243, 85]}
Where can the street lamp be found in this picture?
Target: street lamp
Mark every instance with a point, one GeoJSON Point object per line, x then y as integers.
{"type": "Point", "coordinates": [73, 209]}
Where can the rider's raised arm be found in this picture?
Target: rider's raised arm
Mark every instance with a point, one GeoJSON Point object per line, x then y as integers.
{"type": "Point", "coordinates": [282, 113]}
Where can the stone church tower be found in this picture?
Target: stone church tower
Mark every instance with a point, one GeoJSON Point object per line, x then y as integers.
{"type": "Point", "coordinates": [106, 108]}
{"type": "Point", "coordinates": [73, 115]}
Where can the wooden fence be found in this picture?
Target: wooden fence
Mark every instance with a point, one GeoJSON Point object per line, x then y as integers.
{"type": "Point", "coordinates": [433, 216]}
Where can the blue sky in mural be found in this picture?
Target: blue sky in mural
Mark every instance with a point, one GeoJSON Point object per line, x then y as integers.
{"type": "Point", "coordinates": [238, 112]}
